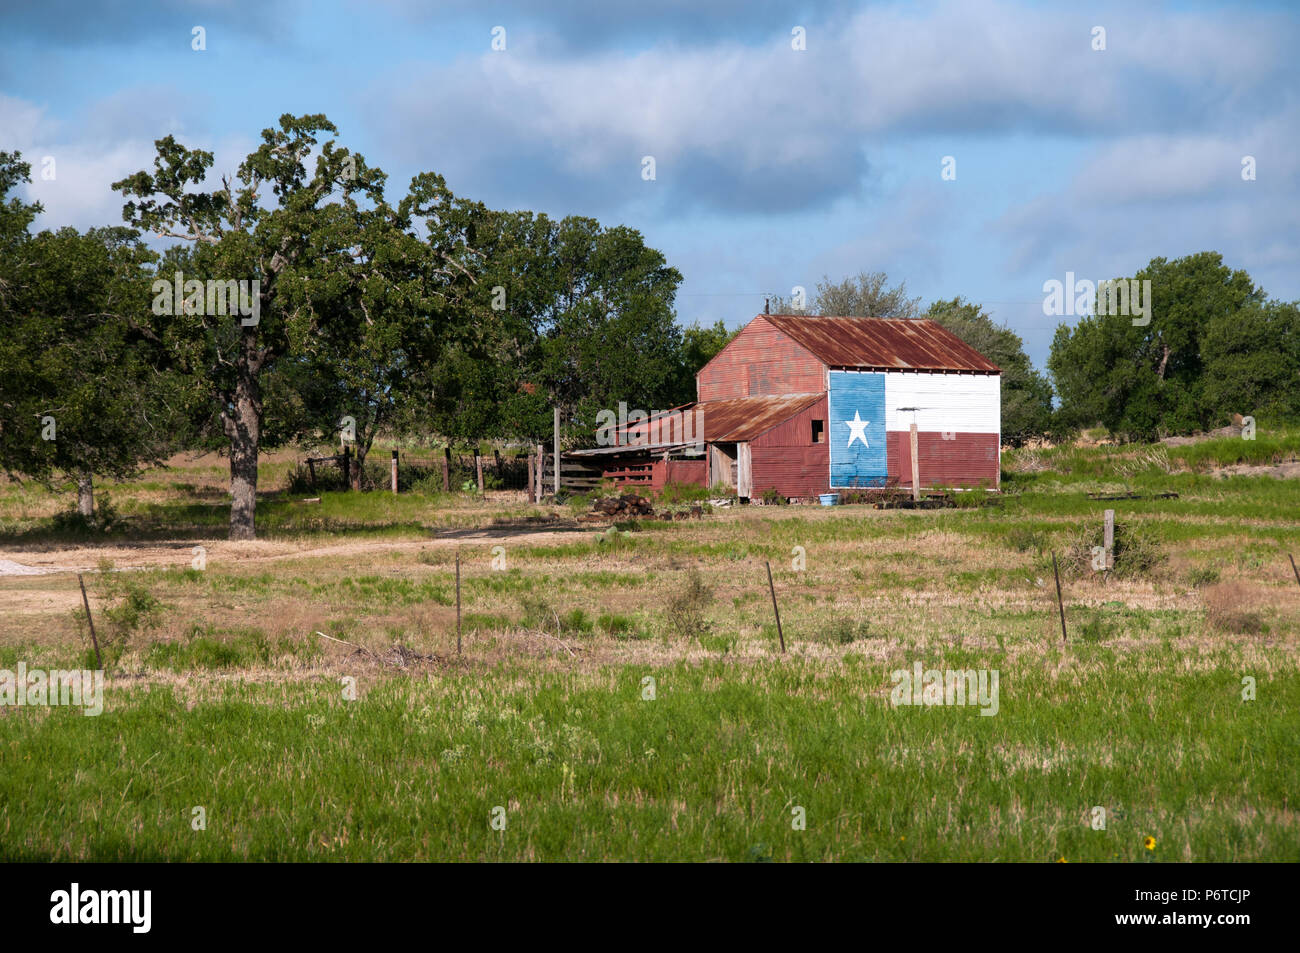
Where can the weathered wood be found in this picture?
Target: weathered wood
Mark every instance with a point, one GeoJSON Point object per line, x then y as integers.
{"type": "Point", "coordinates": [1109, 538]}
{"type": "Point", "coordinates": [916, 466]}
{"type": "Point", "coordinates": [99, 661]}
{"type": "Point", "coordinates": [557, 451]}
{"type": "Point", "coordinates": [1293, 569]}
{"type": "Point", "coordinates": [311, 468]}
{"type": "Point", "coordinates": [478, 470]}
{"type": "Point", "coordinates": [394, 471]}
{"type": "Point", "coordinates": [531, 498]}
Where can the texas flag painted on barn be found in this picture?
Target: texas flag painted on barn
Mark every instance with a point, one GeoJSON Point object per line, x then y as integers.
{"type": "Point", "coordinates": [857, 429]}
{"type": "Point", "coordinates": [871, 416]}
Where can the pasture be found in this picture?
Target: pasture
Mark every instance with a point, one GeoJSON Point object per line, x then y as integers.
{"type": "Point", "coordinates": [621, 693]}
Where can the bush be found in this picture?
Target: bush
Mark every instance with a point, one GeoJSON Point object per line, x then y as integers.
{"type": "Point", "coordinates": [847, 631]}
{"type": "Point", "coordinates": [773, 497]}
{"type": "Point", "coordinates": [1137, 550]}
{"type": "Point", "coordinates": [1025, 540]}
{"type": "Point", "coordinates": [686, 610]}
{"type": "Point", "coordinates": [127, 608]}
{"type": "Point", "coordinates": [104, 520]}
{"type": "Point", "coordinates": [1227, 609]}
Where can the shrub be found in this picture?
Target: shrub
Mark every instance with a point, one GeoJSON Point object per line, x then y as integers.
{"type": "Point", "coordinates": [1227, 609]}
{"type": "Point", "coordinates": [686, 609]}
{"type": "Point", "coordinates": [847, 631]}
{"type": "Point", "coordinates": [104, 520]}
{"type": "Point", "coordinates": [1136, 550]}
{"type": "Point", "coordinates": [127, 608]}
{"type": "Point", "coordinates": [772, 497]}
{"type": "Point", "coordinates": [1202, 576]}
{"type": "Point", "coordinates": [1024, 540]}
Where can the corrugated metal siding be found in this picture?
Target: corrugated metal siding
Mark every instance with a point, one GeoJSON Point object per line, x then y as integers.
{"type": "Point", "coordinates": [968, 459]}
{"type": "Point", "coordinates": [855, 461]}
{"type": "Point", "coordinates": [760, 360]}
{"type": "Point", "coordinates": [786, 459]}
{"type": "Point", "coordinates": [948, 402]}
{"type": "Point", "coordinates": [747, 418]}
{"type": "Point", "coordinates": [881, 343]}
{"type": "Point", "coordinates": [792, 471]}
{"type": "Point", "coordinates": [686, 471]}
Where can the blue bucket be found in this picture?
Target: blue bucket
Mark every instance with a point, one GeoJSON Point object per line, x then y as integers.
{"type": "Point", "coordinates": [829, 499]}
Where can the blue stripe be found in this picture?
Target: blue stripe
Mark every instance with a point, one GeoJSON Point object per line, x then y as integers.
{"type": "Point", "coordinates": [861, 397]}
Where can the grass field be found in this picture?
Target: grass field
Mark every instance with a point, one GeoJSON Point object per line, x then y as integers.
{"type": "Point", "coordinates": [623, 695]}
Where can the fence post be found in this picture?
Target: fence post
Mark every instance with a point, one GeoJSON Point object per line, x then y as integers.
{"type": "Point", "coordinates": [1060, 604]}
{"type": "Point", "coordinates": [531, 499]}
{"type": "Point", "coordinates": [446, 469]}
{"type": "Point", "coordinates": [541, 471]}
{"type": "Point", "coordinates": [1109, 539]}
{"type": "Point", "coordinates": [478, 469]}
{"type": "Point", "coordinates": [394, 471]}
{"type": "Point", "coordinates": [779, 634]}
{"type": "Point", "coordinates": [99, 661]}
{"type": "Point", "coordinates": [916, 466]}
{"type": "Point", "coordinates": [557, 451]}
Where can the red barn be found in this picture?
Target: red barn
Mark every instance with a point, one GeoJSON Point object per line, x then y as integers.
{"type": "Point", "coordinates": [807, 405]}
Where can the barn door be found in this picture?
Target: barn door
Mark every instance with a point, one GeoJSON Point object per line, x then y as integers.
{"type": "Point", "coordinates": [744, 478]}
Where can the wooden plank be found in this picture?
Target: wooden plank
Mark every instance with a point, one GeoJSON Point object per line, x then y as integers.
{"type": "Point", "coordinates": [1109, 538]}
{"type": "Point", "coordinates": [916, 465]}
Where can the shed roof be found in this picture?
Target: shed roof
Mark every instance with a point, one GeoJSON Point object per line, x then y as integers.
{"type": "Point", "coordinates": [744, 418]}
{"type": "Point", "coordinates": [882, 343]}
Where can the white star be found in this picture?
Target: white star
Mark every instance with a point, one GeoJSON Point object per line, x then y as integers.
{"type": "Point", "coordinates": [857, 430]}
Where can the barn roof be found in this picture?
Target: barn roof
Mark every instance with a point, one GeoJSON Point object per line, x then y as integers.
{"type": "Point", "coordinates": [882, 343]}
{"type": "Point", "coordinates": [727, 421]}
{"type": "Point", "coordinates": [744, 418]}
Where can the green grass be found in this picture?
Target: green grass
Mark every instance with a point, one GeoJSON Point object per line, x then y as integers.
{"type": "Point", "coordinates": [710, 769]}
{"type": "Point", "coordinates": [220, 694]}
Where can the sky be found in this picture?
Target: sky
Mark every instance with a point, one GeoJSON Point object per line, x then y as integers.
{"type": "Point", "coordinates": [792, 142]}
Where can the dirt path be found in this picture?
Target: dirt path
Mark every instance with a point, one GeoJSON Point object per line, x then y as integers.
{"type": "Point", "coordinates": [46, 559]}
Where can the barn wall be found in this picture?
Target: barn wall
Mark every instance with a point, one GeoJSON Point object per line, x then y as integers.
{"type": "Point", "coordinates": [949, 402]}
{"type": "Point", "coordinates": [786, 459]}
{"type": "Point", "coordinates": [685, 471]}
{"type": "Point", "coordinates": [965, 460]}
{"type": "Point", "coordinates": [760, 360]}
{"type": "Point", "coordinates": [856, 406]}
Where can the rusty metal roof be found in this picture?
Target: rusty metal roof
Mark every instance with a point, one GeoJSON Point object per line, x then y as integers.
{"type": "Point", "coordinates": [882, 343]}
{"type": "Point", "coordinates": [744, 418]}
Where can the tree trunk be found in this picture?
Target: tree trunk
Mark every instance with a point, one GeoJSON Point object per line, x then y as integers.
{"type": "Point", "coordinates": [243, 424]}
{"type": "Point", "coordinates": [85, 494]}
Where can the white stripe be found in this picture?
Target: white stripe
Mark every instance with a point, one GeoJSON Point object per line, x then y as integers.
{"type": "Point", "coordinates": [966, 403]}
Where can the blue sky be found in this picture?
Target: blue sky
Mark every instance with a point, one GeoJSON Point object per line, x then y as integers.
{"type": "Point", "coordinates": [774, 166]}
